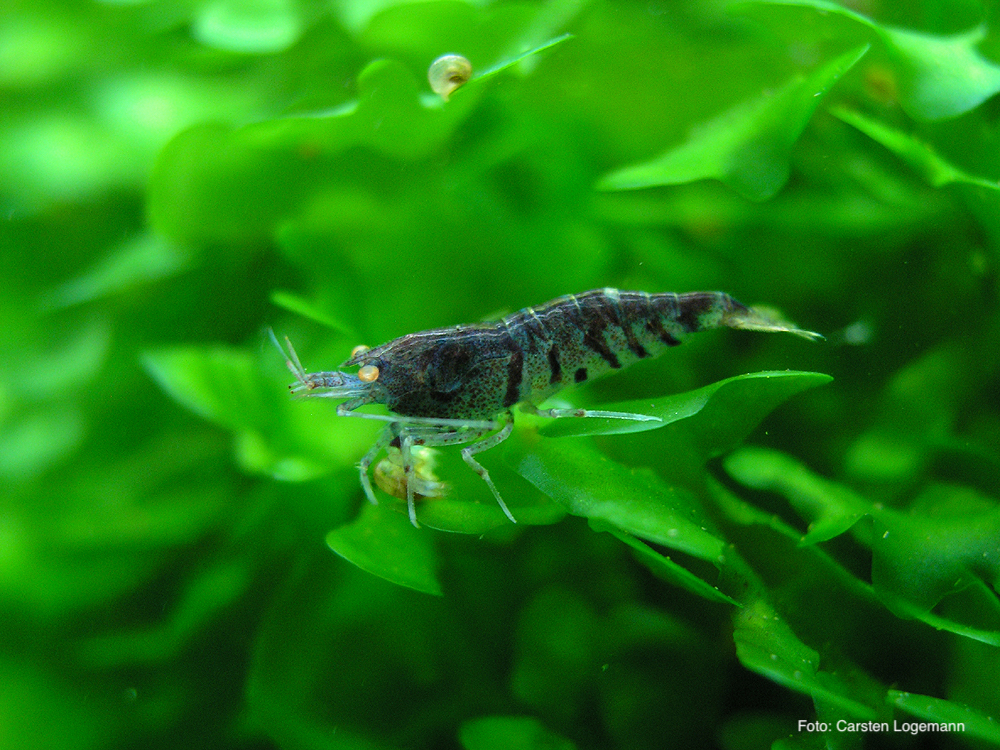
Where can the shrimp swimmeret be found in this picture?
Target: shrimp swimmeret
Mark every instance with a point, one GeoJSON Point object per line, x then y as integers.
{"type": "Point", "coordinates": [451, 386]}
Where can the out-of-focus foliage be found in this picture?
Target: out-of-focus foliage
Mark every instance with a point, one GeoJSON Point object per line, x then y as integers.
{"type": "Point", "coordinates": [186, 557]}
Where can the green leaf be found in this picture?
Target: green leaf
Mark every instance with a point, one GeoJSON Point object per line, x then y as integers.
{"type": "Point", "coordinates": [974, 723]}
{"type": "Point", "coordinates": [665, 568]}
{"type": "Point", "coordinates": [748, 147]}
{"type": "Point", "coordinates": [313, 311]}
{"type": "Point", "coordinates": [252, 26]}
{"type": "Point", "coordinates": [918, 154]}
{"type": "Point", "coordinates": [921, 400]}
{"type": "Point", "coordinates": [918, 559]}
{"type": "Point", "coordinates": [384, 543]}
{"type": "Point", "coordinates": [587, 483]}
{"type": "Point", "coordinates": [137, 261]}
{"type": "Point", "coordinates": [217, 383]}
{"type": "Point", "coordinates": [940, 77]}
{"type": "Point", "coordinates": [226, 387]}
{"type": "Point", "coordinates": [746, 399]}
{"type": "Point", "coordinates": [766, 645]}
{"type": "Point", "coordinates": [510, 733]}
{"type": "Point", "coordinates": [947, 543]}
{"type": "Point", "coordinates": [830, 508]}
{"type": "Point", "coordinates": [218, 184]}
{"type": "Point", "coordinates": [820, 562]}
{"type": "Point", "coordinates": [463, 515]}
{"type": "Point", "coordinates": [73, 358]}
{"type": "Point", "coordinates": [745, 513]}
{"type": "Point", "coordinates": [983, 599]}
{"type": "Point", "coordinates": [699, 424]}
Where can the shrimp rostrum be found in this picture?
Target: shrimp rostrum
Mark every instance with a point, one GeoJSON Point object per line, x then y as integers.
{"type": "Point", "coordinates": [458, 385]}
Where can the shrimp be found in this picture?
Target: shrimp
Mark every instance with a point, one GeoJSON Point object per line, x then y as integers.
{"type": "Point", "coordinates": [458, 385]}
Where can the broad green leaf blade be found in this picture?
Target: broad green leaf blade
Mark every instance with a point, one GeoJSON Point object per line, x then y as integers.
{"type": "Point", "coordinates": [743, 513]}
{"type": "Point", "coordinates": [460, 515]}
{"type": "Point", "coordinates": [665, 568]}
{"type": "Point", "coordinates": [137, 261]}
{"type": "Point", "coordinates": [248, 26]}
{"type": "Point", "coordinates": [830, 508]}
{"type": "Point", "coordinates": [753, 396]}
{"type": "Point", "coordinates": [72, 361]}
{"type": "Point", "coordinates": [587, 483]}
{"type": "Point", "coordinates": [385, 544]}
{"type": "Point", "coordinates": [236, 185]}
{"type": "Point", "coordinates": [949, 540]}
{"type": "Point", "coordinates": [918, 154]}
{"type": "Point", "coordinates": [919, 559]}
{"type": "Point", "coordinates": [510, 733]}
{"type": "Point", "coordinates": [940, 77]}
{"type": "Point", "coordinates": [217, 383]}
{"type": "Point", "coordinates": [923, 396]}
{"type": "Point", "coordinates": [301, 306]}
{"type": "Point", "coordinates": [930, 709]}
{"type": "Point", "coordinates": [765, 644]}
{"type": "Point", "coordinates": [732, 414]}
{"type": "Point", "coordinates": [747, 147]}
{"type": "Point", "coordinates": [38, 429]}
{"type": "Point", "coordinates": [34, 442]}
{"type": "Point", "coordinates": [226, 387]}
{"type": "Point", "coordinates": [908, 610]}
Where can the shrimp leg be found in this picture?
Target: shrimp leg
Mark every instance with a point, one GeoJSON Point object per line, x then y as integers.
{"type": "Point", "coordinates": [560, 413]}
{"type": "Point", "coordinates": [483, 445]}
{"type": "Point", "coordinates": [383, 441]}
{"type": "Point", "coordinates": [410, 434]}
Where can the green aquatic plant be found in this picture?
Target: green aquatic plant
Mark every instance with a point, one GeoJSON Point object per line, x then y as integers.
{"type": "Point", "coordinates": [803, 549]}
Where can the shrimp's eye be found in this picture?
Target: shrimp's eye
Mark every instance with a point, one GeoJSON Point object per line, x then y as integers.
{"type": "Point", "coordinates": [368, 374]}
{"type": "Point", "coordinates": [448, 73]}
{"type": "Point", "coordinates": [359, 349]}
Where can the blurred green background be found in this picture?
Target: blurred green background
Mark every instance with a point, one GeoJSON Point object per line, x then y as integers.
{"type": "Point", "coordinates": [175, 177]}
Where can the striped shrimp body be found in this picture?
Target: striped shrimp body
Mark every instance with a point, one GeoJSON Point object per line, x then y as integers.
{"type": "Point", "coordinates": [457, 385]}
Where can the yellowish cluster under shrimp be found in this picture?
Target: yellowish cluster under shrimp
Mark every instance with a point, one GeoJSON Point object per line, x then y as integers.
{"type": "Point", "coordinates": [390, 476]}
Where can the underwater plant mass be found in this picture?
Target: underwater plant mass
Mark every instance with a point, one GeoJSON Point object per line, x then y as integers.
{"type": "Point", "coordinates": [745, 541]}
